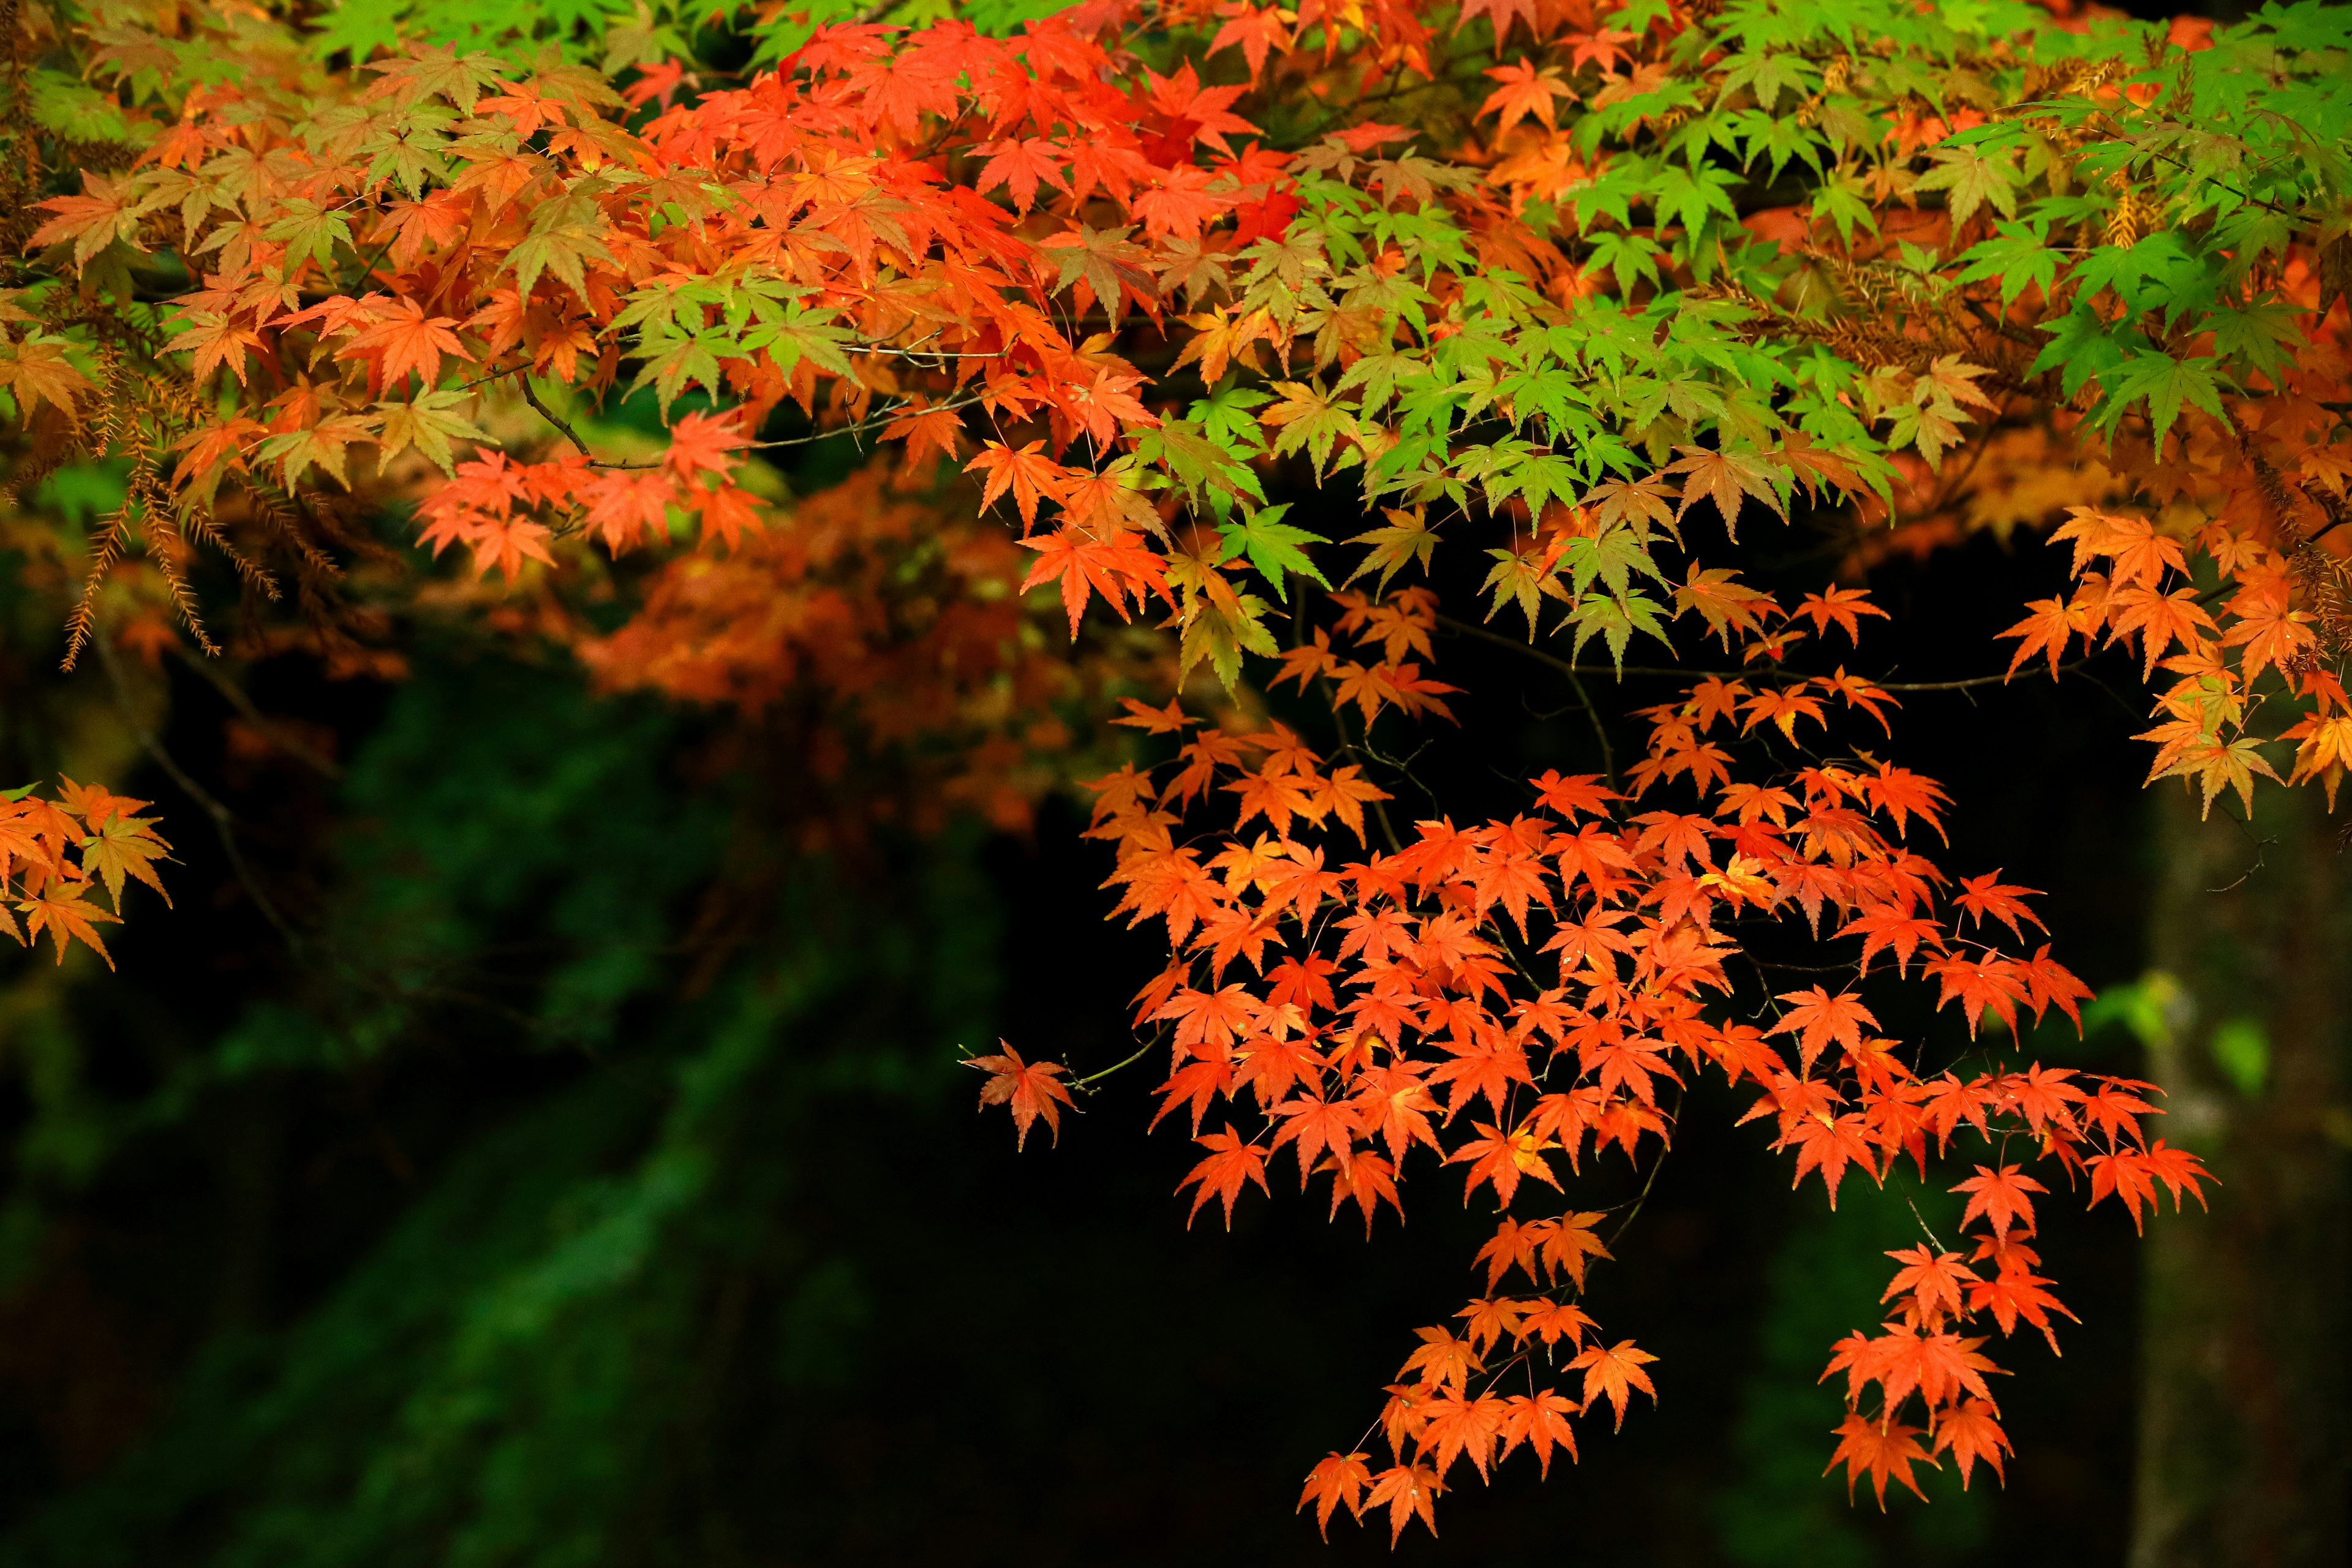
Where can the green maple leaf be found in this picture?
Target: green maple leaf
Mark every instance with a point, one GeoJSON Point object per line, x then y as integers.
{"type": "Point", "coordinates": [2083, 344]}
{"type": "Point", "coordinates": [2020, 256]}
{"type": "Point", "coordinates": [1272, 545]}
{"type": "Point", "coordinates": [1842, 202]}
{"type": "Point", "coordinates": [1229, 416]}
{"type": "Point", "coordinates": [409, 155]}
{"type": "Point", "coordinates": [296, 450]}
{"type": "Point", "coordinates": [429, 424]}
{"type": "Point", "coordinates": [1310, 420]}
{"type": "Point", "coordinates": [442, 73]}
{"type": "Point", "coordinates": [1627, 256]}
{"type": "Point", "coordinates": [1974, 179]}
{"type": "Point", "coordinates": [674, 364]}
{"type": "Point", "coordinates": [565, 233]}
{"type": "Point", "coordinates": [1614, 621]}
{"type": "Point", "coordinates": [1612, 558]}
{"type": "Point", "coordinates": [1766, 76]}
{"type": "Point", "coordinates": [2262, 336]}
{"type": "Point", "coordinates": [312, 228]}
{"type": "Point", "coordinates": [804, 334]}
{"type": "Point", "coordinates": [2166, 382]}
{"type": "Point", "coordinates": [1197, 461]}
{"type": "Point", "coordinates": [77, 111]}
{"type": "Point", "coordinates": [1684, 196]}
{"type": "Point", "coordinates": [356, 27]}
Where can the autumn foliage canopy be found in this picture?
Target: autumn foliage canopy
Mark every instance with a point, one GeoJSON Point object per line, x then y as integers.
{"type": "Point", "coordinates": [1100, 307]}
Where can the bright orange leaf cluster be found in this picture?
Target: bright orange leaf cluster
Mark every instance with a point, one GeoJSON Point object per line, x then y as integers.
{"type": "Point", "coordinates": [1514, 997]}
{"type": "Point", "coordinates": [55, 854]}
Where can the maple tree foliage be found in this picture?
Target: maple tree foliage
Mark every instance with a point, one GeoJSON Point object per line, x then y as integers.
{"type": "Point", "coordinates": [1574, 280]}
{"type": "Point", "coordinates": [55, 855]}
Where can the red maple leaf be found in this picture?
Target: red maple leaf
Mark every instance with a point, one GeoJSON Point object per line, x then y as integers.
{"type": "Point", "coordinates": [1880, 1449]}
{"type": "Point", "coordinates": [1614, 1372]}
{"type": "Point", "coordinates": [1231, 1164]}
{"type": "Point", "coordinates": [1031, 1089]}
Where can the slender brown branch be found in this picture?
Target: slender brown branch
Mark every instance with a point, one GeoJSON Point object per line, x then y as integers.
{"type": "Point", "coordinates": [279, 736]}
{"type": "Point", "coordinates": [223, 822]}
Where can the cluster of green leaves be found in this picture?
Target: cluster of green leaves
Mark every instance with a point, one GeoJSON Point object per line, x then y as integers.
{"type": "Point", "coordinates": [2159, 252]}
{"type": "Point", "coordinates": [2114, 211]}
{"type": "Point", "coordinates": [616, 34]}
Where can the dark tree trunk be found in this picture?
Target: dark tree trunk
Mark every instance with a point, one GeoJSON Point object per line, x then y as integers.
{"type": "Point", "coordinates": [2243, 1451]}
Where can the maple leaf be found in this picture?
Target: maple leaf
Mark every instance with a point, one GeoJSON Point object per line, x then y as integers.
{"type": "Point", "coordinates": [1459, 1426]}
{"type": "Point", "coordinates": [1525, 91]}
{"type": "Point", "coordinates": [2000, 1196]}
{"type": "Point", "coordinates": [1615, 1373]}
{"type": "Point", "coordinates": [1992, 982]}
{"type": "Point", "coordinates": [922, 429]}
{"type": "Point", "coordinates": [1988, 898]}
{"type": "Point", "coordinates": [1020, 166]}
{"type": "Point", "coordinates": [1337, 1478]}
{"type": "Point", "coordinates": [1028, 473]}
{"type": "Point", "coordinates": [1411, 1492]}
{"type": "Point", "coordinates": [1843, 606]}
{"type": "Point", "coordinates": [1540, 1421]}
{"type": "Point", "coordinates": [1569, 1247]}
{"type": "Point", "coordinates": [1407, 536]}
{"type": "Point", "coordinates": [1819, 1019]}
{"type": "Point", "coordinates": [701, 444]}
{"type": "Point", "coordinates": [1118, 566]}
{"type": "Point", "coordinates": [1168, 720]}
{"type": "Point", "coordinates": [100, 215]}
{"type": "Point", "coordinates": [1106, 264]}
{"type": "Point", "coordinates": [1880, 1450]}
{"type": "Point", "coordinates": [1725, 478]}
{"type": "Point", "coordinates": [1829, 1145]}
{"type": "Point", "coordinates": [1031, 1089]}
{"type": "Point", "coordinates": [1882, 929]}
{"type": "Point", "coordinates": [1231, 1164]}
{"type": "Point", "coordinates": [1255, 33]}
{"type": "Point", "coordinates": [1934, 1281]}
{"type": "Point", "coordinates": [2017, 1293]}
{"type": "Point", "coordinates": [2131, 1175]}
{"type": "Point", "coordinates": [400, 344]}
{"type": "Point", "coordinates": [56, 908]}
{"type": "Point", "coordinates": [429, 423]}
{"type": "Point", "coordinates": [118, 844]}
{"type": "Point", "coordinates": [38, 372]}
{"type": "Point", "coordinates": [1502, 1158]}
{"type": "Point", "coordinates": [1501, 15]}
{"type": "Point", "coordinates": [1972, 1432]}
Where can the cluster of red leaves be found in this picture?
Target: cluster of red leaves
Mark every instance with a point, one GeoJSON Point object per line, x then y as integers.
{"type": "Point", "coordinates": [1512, 996]}
{"type": "Point", "coordinates": [54, 853]}
{"type": "Point", "coordinates": [883, 626]}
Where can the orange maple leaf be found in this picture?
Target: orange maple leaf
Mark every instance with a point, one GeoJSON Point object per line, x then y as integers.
{"type": "Point", "coordinates": [1880, 1450]}
{"type": "Point", "coordinates": [1032, 1089]}
{"type": "Point", "coordinates": [1615, 1371]}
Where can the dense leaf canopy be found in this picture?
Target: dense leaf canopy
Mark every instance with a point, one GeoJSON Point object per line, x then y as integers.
{"type": "Point", "coordinates": [1121, 299]}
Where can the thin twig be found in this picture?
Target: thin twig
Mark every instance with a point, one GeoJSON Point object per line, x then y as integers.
{"type": "Point", "coordinates": [549, 416]}
{"type": "Point", "coordinates": [223, 822]}
{"type": "Point", "coordinates": [277, 733]}
{"type": "Point", "coordinates": [1140, 1050]}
